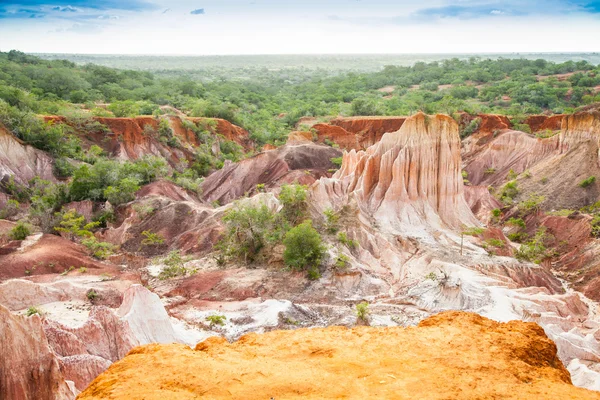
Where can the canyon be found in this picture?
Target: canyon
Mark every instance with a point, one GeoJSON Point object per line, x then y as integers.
{"type": "Point", "coordinates": [407, 190]}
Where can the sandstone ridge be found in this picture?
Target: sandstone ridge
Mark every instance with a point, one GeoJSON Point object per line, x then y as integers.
{"type": "Point", "coordinates": [452, 355]}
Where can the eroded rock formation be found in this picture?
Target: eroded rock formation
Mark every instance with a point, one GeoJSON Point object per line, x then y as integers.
{"type": "Point", "coordinates": [303, 162]}
{"type": "Point", "coordinates": [473, 356]}
{"type": "Point", "coordinates": [410, 180]}
{"type": "Point", "coordinates": [22, 162]}
{"type": "Point", "coordinates": [29, 369]}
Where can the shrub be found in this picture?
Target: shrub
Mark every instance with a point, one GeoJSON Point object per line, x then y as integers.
{"type": "Point", "coordinates": [518, 237]}
{"type": "Point", "coordinates": [74, 225]}
{"type": "Point", "coordinates": [473, 231]}
{"type": "Point", "coordinates": [512, 175]}
{"type": "Point", "coordinates": [332, 220]}
{"type": "Point", "coordinates": [535, 249]}
{"type": "Point", "coordinates": [490, 171]}
{"type": "Point", "coordinates": [100, 250]}
{"type": "Point", "coordinates": [294, 200]}
{"type": "Point", "coordinates": [216, 320]}
{"type": "Point", "coordinates": [174, 265]}
{"type": "Point", "coordinates": [124, 192]}
{"type": "Point", "coordinates": [337, 161]}
{"type": "Point", "coordinates": [362, 312]}
{"type": "Point", "coordinates": [522, 127]}
{"type": "Point", "coordinates": [432, 276]}
{"type": "Point", "coordinates": [20, 231]}
{"type": "Point", "coordinates": [92, 295]}
{"type": "Point", "coordinates": [33, 310]}
{"type": "Point", "coordinates": [11, 208]}
{"type": "Point", "coordinates": [303, 247]}
{"type": "Point", "coordinates": [532, 204]}
{"type": "Point", "coordinates": [516, 222]}
{"type": "Point", "coordinates": [595, 226]}
{"type": "Point", "coordinates": [509, 192]}
{"type": "Point", "coordinates": [346, 241]}
{"type": "Point", "coordinates": [63, 168]}
{"type": "Point", "coordinates": [246, 230]}
{"type": "Point", "coordinates": [341, 262]}
{"type": "Point", "coordinates": [495, 242]}
{"type": "Point", "coordinates": [152, 239]}
{"type": "Point", "coordinates": [587, 182]}
{"type": "Point", "coordinates": [471, 128]}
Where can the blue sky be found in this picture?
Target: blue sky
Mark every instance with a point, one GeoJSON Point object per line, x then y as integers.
{"type": "Point", "coordinates": [293, 26]}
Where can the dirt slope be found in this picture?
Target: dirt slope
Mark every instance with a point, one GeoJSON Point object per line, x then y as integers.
{"type": "Point", "coordinates": [452, 355]}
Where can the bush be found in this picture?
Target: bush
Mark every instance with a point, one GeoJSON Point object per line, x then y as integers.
{"type": "Point", "coordinates": [495, 242]}
{"type": "Point", "coordinates": [346, 241]}
{"type": "Point", "coordinates": [152, 239]}
{"type": "Point", "coordinates": [246, 229]}
{"type": "Point", "coordinates": [74, 226]}
{"type": "Point", "coordinates": [100, 250]}
{"type": "Point", "coordinates": [509, 192]}
{"type": "Point", "coordinates": [535, 249]}
{"type": "Point", "coordinates": [341, 262]}
{"type": "Point", "coordinates": [473, 231]}
{"type": "Point", "coordinates": [123, 193]}
{"type": "Point", "coordinates": [532, 204]}
{"type": "Point", "coordinates": [11, 208]}
{"type": "Point", "coordinates": [63, 168]}
{"type": "Point", "coordinates": [20, 231]}
{"type": "Point", "coordinates": [471, 128]}
{"type": "Point", "coordinates": [294, 200]}
{"type": "Point", "coordinates": [303, 248]}
{"type": "Point", "coordinates": [33, 310]}
{"type": "Point", "coordinates": [516, 222]}
{"type": "Point", "coordinates": [337, 161]}
{"type": "Point", "coordinates": [332, 220]}
{"type": "Point", "coordinates": [174, 265]}
{"type": "Point", "coordinates": [587, 182]}
{"type": "Point", "coordinates": [92, 295]}
{"type": "Point", "coordinates": [362, 312]}
{"type": "Point", "coordinates": [216, 320]}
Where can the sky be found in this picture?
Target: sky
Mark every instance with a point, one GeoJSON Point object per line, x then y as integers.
{"type": "Point", "coordinates": [208, 27]}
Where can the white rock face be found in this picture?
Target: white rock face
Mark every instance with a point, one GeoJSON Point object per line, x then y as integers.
{"type": "Point", "coordinates": [146, 316]}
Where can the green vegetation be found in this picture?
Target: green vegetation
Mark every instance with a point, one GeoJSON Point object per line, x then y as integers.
{"type": "Point", "coordinates": [516, 222]}
{"type": "Point", "coordinates": [295, 202]}
{"type": "Point", "coordinates": [216, 320]}
{"type": "Point", "coordinates": [587, 182]}
{"type": "Point", "coordinates": [92, 295]}
{"type": "Point", "coordinates": [33, 310]}
{"type": "Point", "coordinates": [20, 231]}
{"type": "Point", "coordinates": [535, 249]}
{"type": "Point", "coordinates": [304, 249]}
{"type": "Point", "coordinates": [253, 96]}
{"type": "Point", "coordinates": [174, 265]}
{"type": "Point", "coordinates": [362, 312]}
{"type": "Point", "coordinates": [341, 262]}
{"type": "Point", "coordinates": [337, 161]}
{"type": "Point", "coordinates": [343, 238]}
{"type": "Point", "coordinates": [332, 220]}
{"type": "Point", "coordinates": [152, 238]}
{"type": "Point", "coordinates": [494, 243]}
{"type": "Point", "coordinates": [473, 231]}
{"type": "Point", "coordinates": [532, 204]}
{"type": "Point", "coordinates": [247, 228]}
{"type": "Point", "coordinates": [508, 193]}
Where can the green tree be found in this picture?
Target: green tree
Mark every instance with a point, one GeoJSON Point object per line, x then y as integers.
{"type": "Point", "coordinates": [247, 227]}
{"type": "Point", "coordinates": [303, 248]}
